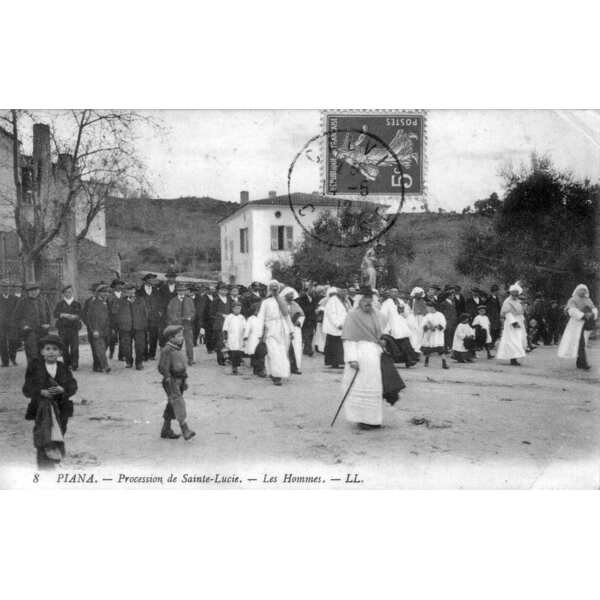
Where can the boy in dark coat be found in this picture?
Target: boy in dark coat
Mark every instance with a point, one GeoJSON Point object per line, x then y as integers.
{"type": "Point", "coordinates": [493, 305]}
{"type": "Point", "coordinates": [32, 315]}
{"type": "Point", "coordinates": [203, 303]}
{"type": "Point", "coordinates": [68, 322]}
{"type": "Point", "coordinates": [132, 321]}
{"type": "Point", "coordinates": [49, 384]}
{"type": "Point", "coordinates": [171, 366]}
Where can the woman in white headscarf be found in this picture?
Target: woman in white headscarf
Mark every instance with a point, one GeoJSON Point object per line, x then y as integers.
{"type": "Point", "coordinates": [297, 317]}
{"type": "Point", "coordinates": [273, 320]}
{"type": "Point", "coordinates": [582, 313]}
{"type": "Point", "coordinates": [514, 336]}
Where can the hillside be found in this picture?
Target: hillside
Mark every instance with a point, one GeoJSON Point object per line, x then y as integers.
{"type": "Point", "coordinates": [149, 233]}
{"type": "Point", "coordinates": [436, 243]}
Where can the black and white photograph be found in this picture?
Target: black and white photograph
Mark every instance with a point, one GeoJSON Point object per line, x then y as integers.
{"type": "Point", "coordinates": [299, 299]}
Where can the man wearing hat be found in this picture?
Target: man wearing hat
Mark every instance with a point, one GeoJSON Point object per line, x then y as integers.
{"type": "Point", "coordinates": [97, 320]}
{"type": "Point", "coordinates": [250, 298]}
{"type": "Point", "coordinates": [493, 305]}
{"type": "Point", "coordinates": [474, 302]}
{"type": "Point", "coordinates": [132, 321]}
{"type": "Point", "coordinates": [8, 347]}
{"type": "Point", "coordinates": [181, 311]}
{"type": "Point", "coordinates": [113, 300]}
{"type": "Point", "coordinates": [154, 307]}
{"type": "Point", "coordinates": [203, 303]}
{"type": "Point", "coordinates": [219, 309]}
{"type": "Point", "coordinates": [68, 322]}
{"type": "Point", "coordinates": [459, 300]}
{"type": "Point", "coordinates": [32, 315]}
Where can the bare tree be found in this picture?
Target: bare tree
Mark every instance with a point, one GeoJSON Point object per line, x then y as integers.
{"type": "Point", "coordinates": [98, 157]}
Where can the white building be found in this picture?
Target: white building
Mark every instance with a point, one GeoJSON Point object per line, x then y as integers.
{"type": "Point", "coordinates": [263, 231]}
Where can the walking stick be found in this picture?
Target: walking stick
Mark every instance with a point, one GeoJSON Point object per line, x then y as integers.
{"type": "Point", "coordinates": [344, 398]}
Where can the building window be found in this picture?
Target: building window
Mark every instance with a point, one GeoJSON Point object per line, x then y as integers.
{"type": "Point", "coordinates": [282, 237]}
{"type": "Point", "coordinates": [244, 240]}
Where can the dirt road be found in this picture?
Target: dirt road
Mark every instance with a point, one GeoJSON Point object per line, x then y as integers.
{"type": "Point", "coordinates": [485, 425]}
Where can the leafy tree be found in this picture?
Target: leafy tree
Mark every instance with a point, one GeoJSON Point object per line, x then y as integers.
{"type": "Point", "coordinates": [488, 207]}
{"type": "Point", "coordinates": [543, 232]}
{"type": "Point", "coordinates": [318, 258]}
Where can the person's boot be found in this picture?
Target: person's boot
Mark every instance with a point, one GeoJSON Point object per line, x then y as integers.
{"type": "Point", "coordinates": [444, 364]}
{"type": "Point", "coordinates": [489, 355]}
{"type": "Point", "coordinates": [167, 432]}
{"type": "Point", "coordinates": [514, 362]}
{"type": "Point", "coordinates": [426, 361]}
{"type": "Point", "coordinates": [276, 380]}
{"type": "Point", "coordinates": [234, 370]}
{"type": "Point", "coordinates": [187, 433]}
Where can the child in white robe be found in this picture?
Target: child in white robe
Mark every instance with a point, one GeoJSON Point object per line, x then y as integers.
{"type": "Point", "coordinates": [233, 333]}
{"type": "Point", "coordinates": [464, 333]}
{"type": "Point", "coordinates": [434, 324]}
{"type": "Point", "coordinates": [483, 321]}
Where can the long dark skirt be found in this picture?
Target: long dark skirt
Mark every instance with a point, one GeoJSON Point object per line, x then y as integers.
{"type": "Point", "coordinates": [334, 351]}
{"type": "Point", "coordinates": [582, 362]}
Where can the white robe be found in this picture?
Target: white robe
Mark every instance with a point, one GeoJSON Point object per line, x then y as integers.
{"type": "Point", "coordinates": [235, 326]}
{"type": "Point", "coordinates": [514, 339]}
{"type": "Point", "coordinates": [319, 337]}
{"type": "Point", "coordinates": [462, 331]}
{"type": "Point", "coordinates": [569, 343]}
{"type": "Point", "coordinates": [252, 335]}
{"type": "Point", "coordinates": [364, 402]}
{"type": "Point", "coordinates": [277, 337]}
{"type": "Point", "coordinates": [484, 322]}
{"type": "Point", "coordinates": [334, 316]}
{"type": "Point", "coordinates": [397, 325]}
{"type": "Point", "coordinates": [433, 337]}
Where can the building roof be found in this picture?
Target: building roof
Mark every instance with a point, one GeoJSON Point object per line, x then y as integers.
{"type": "Point", "coordinates": [298, 199]}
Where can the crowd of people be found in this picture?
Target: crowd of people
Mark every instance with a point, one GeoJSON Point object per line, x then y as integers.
{"type": "Point", "coordinates": [362, 330]}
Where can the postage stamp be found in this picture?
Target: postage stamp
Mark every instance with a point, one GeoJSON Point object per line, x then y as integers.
{"type": "Point", "coordinates": [374, 153]}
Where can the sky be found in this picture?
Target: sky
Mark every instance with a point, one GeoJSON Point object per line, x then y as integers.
{"type": "Point", "coordinates": [218, 153]}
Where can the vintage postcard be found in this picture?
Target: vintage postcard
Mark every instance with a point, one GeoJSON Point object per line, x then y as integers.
{"type": "Point", "coordinates": [299, 299]}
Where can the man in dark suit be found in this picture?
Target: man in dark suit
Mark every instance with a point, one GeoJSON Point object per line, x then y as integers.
{"type": "Point", "coordinates": [167, 291]}
{"type": "Point", "coordinates": [8, 348]}
{"type": "Point", "coordinates": [474, 302]}
{"type": "Point", "coordinates": [68, 322]}
{"type": "Point", "coordinates": [32, 315]}
{"type": "Point", "coordinates": [154, 308]}
{"type": "Point", "coordinates": [308, 302]}
{"type": "Point", "coordinates": [219, 309]}
{"type": "Point", "coordinates": [459, 300]}
{"type": "Point", "coordinates": [493, 305]}
{"type": "Point", "coordinates": [113, 300]}
{"type": "Point", "coordinates": [97, 320]}
{"type": "Point", "coordinates": [203, 303]}
{"type": "Point", "coordinates": [132, 321]}
{"type": "Point", "coordinates": [250, 298]}
{"type": "Point", "coordinates": [447, 307]}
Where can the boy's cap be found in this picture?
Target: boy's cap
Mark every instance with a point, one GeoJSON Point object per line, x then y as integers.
{"type": "Point", "coordinates": [32, 286]}
{"type": "Point", "coordinates": [51, 339]}
{"type": "Point", "coordinates": [172, 330]}
{"type": "Point", "coordinates": [482, 308]}
{"type": "Point", "coordinates": [66, 287]}
{"type": "Point", "coordinates": [116, 282]}
{"type": "Point", "coordinates": [149, 276]}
